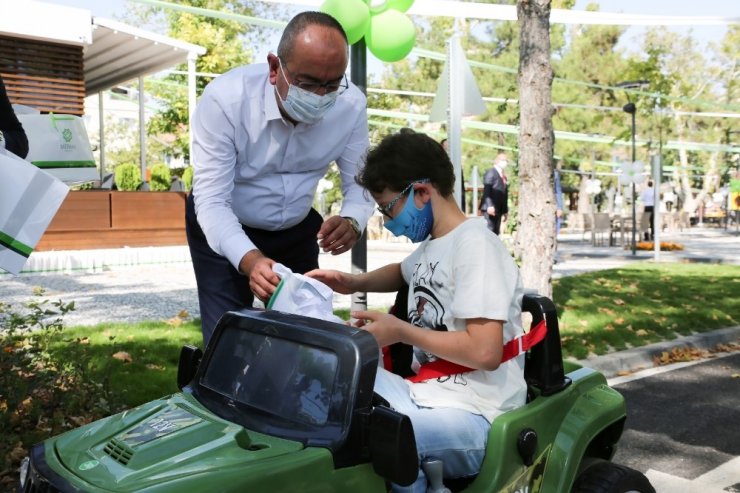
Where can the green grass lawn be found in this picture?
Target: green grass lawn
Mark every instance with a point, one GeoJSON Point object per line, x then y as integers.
{"type": "Point", "coordinates": [611, 310]}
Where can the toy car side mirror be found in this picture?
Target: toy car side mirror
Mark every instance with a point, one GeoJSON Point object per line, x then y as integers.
{"type": "Point", "coordinates": [393, 446]}
{"type": "Point", "coordinates": [190, 357]}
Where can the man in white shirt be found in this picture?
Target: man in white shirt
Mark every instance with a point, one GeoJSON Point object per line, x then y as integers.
{"type": "Point", "coordinates": [264, 135]}
{"type": "Point", "coordinates": [648, 201]}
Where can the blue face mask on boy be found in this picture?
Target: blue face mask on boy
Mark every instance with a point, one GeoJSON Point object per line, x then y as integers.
{"type": "Point", "coordinates": [412, 222]}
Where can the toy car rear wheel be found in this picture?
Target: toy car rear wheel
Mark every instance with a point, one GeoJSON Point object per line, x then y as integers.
{"type": "Point", "coordinates": [607, 477]}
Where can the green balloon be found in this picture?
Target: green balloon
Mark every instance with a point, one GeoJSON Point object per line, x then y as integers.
{"type": "Point", "coordinates": [400, 5]}
{"type": "Point", "coordinates": [391, 35]}
{"type": "Point", "coordinates": [353, 15]}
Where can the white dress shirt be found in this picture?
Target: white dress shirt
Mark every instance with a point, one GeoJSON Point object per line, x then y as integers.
{"type": "Point", "coordinates": [648, 197]}
{"type": "Point", "coordinates": [255, 168]}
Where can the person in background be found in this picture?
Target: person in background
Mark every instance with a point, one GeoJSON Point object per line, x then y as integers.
{"type": "Point", "coordinates": [12, 136]}
{"type": "Point", "coordinates": [494, 203]}
{"type": "Point", "coordinates": [558, 199]}
{"type": "Point", "coordinates": [264, 135]}
{"type": "Point", "coordinates": [463, 303]}
{"type": "Point", "coordinates": [648, 201]}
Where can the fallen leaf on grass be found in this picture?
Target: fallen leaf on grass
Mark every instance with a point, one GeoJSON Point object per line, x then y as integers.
{"type": "Point", "coordinates": [641, 332]}
{"type": "Point", "coordinates": [123, 356]}
{"type": "Point", "coordinates": [152, 366]}
{"type": "Point", "coordinates": [606, 310]}
{"type": "Point", "coordinates": [619, 321]}
{"type": "Point", "coordinates": [583, 323]}
{"type": "Point", "coordinates": [609, 328]}
{"type": "Point", "coordinates": [18, 453]}
{"type": "Point", "coordinates": [183, 314]}
{"type": "Point", "coordinates": [619, 302]}
{"type": "Point", "coordinates": [174, 321]}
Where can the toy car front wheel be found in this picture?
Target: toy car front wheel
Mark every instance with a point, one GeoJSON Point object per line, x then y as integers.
{"type": "Point", "coordinates": [607, 477]}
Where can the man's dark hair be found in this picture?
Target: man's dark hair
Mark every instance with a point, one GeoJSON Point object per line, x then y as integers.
{"type": "Point", "coordinates": [300, 22]}
{"type": "Point", "coordinates": [405, 157]}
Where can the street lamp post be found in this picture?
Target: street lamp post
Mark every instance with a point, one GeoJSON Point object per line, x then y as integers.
{"type": "Point", "coordinates": [632, 110]}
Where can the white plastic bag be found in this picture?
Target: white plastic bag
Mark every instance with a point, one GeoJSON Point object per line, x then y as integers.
{"type": "Point", "coordinates": [59, 145]}
{"type": "Point", "coordinates": [302, 295]}
{"type": "Point", "coordinates": [29, 199]}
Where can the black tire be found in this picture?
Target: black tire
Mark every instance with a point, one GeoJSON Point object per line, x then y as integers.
{"type": "Point", "coordinates": [607, 477]}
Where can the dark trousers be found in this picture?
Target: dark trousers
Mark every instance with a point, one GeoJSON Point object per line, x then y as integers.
{"type": "Point", "coordinates": [649, 208]}
{"type": "Point", "coordinates": [494, 223]}
{"type": "Point", "coordinates": [221, 287]}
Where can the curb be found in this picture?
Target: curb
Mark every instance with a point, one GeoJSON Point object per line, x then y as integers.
{"type": "Point", "coordinates": [641, 358]}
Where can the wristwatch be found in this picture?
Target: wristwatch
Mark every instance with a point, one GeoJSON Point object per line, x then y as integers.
{"type": "Point", "coordinates": [355, 225]}
{"type": "Point", "coordinates": [2, 139]}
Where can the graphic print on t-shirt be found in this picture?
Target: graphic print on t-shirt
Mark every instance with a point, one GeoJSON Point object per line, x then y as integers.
{"type": "Point", "coordinates": [428, 312]}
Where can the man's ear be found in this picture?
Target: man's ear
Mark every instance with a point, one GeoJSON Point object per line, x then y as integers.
{"type": "Point", "coordinates": [274, 65]}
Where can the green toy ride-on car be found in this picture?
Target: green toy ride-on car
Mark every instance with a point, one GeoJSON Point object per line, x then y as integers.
{"type": "Point", "coordinates": [285, 403]}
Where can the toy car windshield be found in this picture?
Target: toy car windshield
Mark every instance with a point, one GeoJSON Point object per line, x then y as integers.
{"type": "Point", "coordinates": [285, 375]}
{"type": "Point", "coordinates": [281, 377]}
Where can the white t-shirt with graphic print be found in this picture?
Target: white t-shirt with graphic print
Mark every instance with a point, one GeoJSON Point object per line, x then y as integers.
{"type": "Point", "coordinates": [467, 273]}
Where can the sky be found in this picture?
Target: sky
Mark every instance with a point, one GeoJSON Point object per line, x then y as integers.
{"type": "Point", "coordinates": [702, 34]}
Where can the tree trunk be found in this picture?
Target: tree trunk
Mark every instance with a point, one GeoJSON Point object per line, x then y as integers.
{"type": "Point", "coordinates": [535, 243]}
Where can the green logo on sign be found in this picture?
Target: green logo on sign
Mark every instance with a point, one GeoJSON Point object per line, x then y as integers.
{"type": "Point", "coordinates": [88, 465]}
{"type": "Point", "coordinates": [67, 134]}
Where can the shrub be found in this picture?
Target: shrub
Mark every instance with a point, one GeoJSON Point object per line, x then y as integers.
{"type": "Point", "coordinates": [187, 178]}
{"type": "Point", "coordinates": [161, 178]}
{"type": "Point", "coordinates": [128, 177]}
{"type": "Point", "coordinates": [36, 382]}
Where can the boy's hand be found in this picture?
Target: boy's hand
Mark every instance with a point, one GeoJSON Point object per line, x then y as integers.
{"type": "Point", "coordinates": [340, 282]}
{"type": "Point", "coordinates": [386, 328]}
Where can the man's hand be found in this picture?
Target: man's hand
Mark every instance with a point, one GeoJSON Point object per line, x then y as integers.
{"type": "Point", "coordinates": [262, 279]}
{"type": "Point", "coordinates": [491, 211]}
{"type": "Point", "coordinates": [336, 235]}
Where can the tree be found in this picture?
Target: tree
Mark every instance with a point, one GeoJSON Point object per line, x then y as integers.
{"type": "Point", "coordinates": [225, 42]}
{"type": "Point", "coordinates": [535, 239]}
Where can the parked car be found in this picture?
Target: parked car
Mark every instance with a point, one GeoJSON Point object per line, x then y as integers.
{"type": "Point", "coordinates": [283, 402]}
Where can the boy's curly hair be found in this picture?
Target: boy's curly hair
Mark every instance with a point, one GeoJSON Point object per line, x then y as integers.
{"type": "Point", "coordinates": [405, 157]}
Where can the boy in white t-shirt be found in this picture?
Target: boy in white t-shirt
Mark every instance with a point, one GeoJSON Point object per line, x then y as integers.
{"type": "Point", "coordinates": [464, 303]}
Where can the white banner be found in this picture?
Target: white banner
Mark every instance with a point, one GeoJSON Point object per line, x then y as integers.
{"type": "Point", "coordinates": [29, 199]}
{"type": "Point", "coordinates": [59, 145]}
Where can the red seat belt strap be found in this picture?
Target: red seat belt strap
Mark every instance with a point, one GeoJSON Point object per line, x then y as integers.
{"type": "Point", "coordinates": [522, 344]}
{"type": "Point", "coordinates": [513, 348]}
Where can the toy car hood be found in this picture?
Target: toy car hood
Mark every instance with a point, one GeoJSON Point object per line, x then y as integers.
{"type": "Point", "coordinates": [163, 441]}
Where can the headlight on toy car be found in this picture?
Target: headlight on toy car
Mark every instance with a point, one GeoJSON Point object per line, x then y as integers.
{"type": "Point", "coordinates": [25, 463]}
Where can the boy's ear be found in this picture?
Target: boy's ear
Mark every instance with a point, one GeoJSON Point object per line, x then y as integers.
{"type": "Point", "coordinates": [423, 190]}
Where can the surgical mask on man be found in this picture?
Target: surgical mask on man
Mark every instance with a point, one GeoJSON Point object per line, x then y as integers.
{"type": "Point", "coordinates": [304, 106]}
{"type": "Point", "coordinates": [412, 222]}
